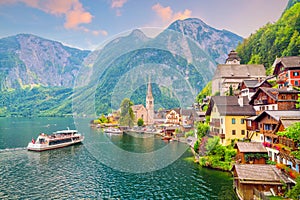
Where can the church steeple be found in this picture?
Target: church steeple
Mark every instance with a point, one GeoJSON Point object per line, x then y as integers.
{"type": "Point", "coordinates": [233, 58]}
{"type": "Point", "coordinates": [150, 104]}
{"type": "Point", "coordinates": [149, 92]}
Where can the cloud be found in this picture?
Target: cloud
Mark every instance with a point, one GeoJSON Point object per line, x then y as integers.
{"type": "Point", "coordinates": [72, 10]}
{"type": "Point", "coordinates": [118, 3]}
{"type": "Point", "coordinates": [94, 32]}
{"type": "Point", "coordinates": [167, 14]}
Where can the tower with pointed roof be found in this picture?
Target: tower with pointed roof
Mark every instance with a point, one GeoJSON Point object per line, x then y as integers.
{"type": "Point", "coordinates": [233, 58]}
{"type": "Point", "coordinates": [150, 104]}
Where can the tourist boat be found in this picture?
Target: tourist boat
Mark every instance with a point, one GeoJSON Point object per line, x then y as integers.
{"type": "Point", "coordinates": [111, 130]}
{"type": "Point", "coordinates": [56, 140]}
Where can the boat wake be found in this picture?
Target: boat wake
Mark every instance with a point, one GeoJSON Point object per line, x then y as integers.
{"type": "Point", "coordinates": [12, 149]}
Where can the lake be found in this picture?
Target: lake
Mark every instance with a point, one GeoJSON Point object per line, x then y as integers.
{"type": "Point", "coordinates": [131, 166]}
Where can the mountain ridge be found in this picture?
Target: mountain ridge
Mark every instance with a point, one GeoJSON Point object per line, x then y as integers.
{"type": "Point", "coordinates": [46, 70]}
{"type": "Point", "coordinates": [216, 42]}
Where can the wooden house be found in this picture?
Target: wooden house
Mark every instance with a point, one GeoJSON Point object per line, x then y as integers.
{"type": "Point", "coordinates": [250, 86]}
{"type": "Point", "coordinates": [188, 117]}
{"type": "Point", "coordinates": [173, 117]}
{"type": "Point", "coordinates": [251, 153]}
{"type": "Point", "coordinates": [249, 180]}
{"type": "Point", "coordinates": [274, 99]}
{"type": "Point", "coordinates": [278, 147]}
{"type": "Point", "coordinates": [287, 70]}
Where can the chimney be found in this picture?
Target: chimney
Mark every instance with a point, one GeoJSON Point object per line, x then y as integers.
{"type": "Point", "coordinates": [241, 100]}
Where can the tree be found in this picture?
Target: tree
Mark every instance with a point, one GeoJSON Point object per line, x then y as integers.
{"type": "Point", "coordinates": [292, 132]}
{"type": "Point", "coordinates": [103, 119]}
{"type": "Point", "coordinates": [206, 91]}
{"type": "Point", "coordinates": [294, 193]}
{"type": "Point", "coordinates": [202, 129]}
{"type": "Point", "coordinates": [127, 115]}
{"type": "Point", "coordinates": [140, 122]}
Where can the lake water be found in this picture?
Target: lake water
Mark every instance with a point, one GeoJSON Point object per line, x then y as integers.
{"type": "Point", "coordinates": [83, 171]}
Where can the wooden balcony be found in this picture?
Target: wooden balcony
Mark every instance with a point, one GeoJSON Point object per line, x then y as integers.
{"type": "Point", "coordinates": [222, 136]}
{"type": "Point", "coordinates": [288, 143]}
{"type": "Point", "coordinates": [260, 102]}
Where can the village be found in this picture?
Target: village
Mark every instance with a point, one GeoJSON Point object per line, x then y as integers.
{"type": "Point", "coordinates": [255, 114]}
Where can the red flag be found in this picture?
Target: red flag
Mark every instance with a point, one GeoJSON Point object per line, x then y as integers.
{"type": "Point", "coordinates": [32, 141]}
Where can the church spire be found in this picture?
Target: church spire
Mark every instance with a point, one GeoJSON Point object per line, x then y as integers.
{"type": "Point", "coordinates": [150, 104]}
{"type": "Point", "coordinates": [149, 93]}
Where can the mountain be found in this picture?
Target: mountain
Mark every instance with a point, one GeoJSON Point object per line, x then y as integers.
{"type": "Point", "coordinates": [218, 43]}
{"type": "Point", "coordinates": [29, 60]}
{"type": "Point", "coordinates": [179, 61]}
{"type": "Point", "coordinates": [40, 77]}
{"type": "Point", "coordinates": [37, 76]}
{"type": "Point", "coordinates": [273, 40]}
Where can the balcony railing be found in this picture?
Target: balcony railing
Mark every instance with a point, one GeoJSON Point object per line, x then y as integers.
{"type": "Point", "coordinates": [260, 102]}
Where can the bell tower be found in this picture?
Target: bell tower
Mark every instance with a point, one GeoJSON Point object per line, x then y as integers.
{"type": "Point", "coordinates": [150, 104]}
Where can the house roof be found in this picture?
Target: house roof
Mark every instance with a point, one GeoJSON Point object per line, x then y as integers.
{"type": "Point", "coordinates": [177, 110]}
{"type": "Point", "coordinates": [255, 83]}
{"type": "Point", "coordinates": [251, 83]}
{"type": "Point", "coordinates": [272, 92]}
{"type": "Point", "coordinates": [236, 110]}
{"type": "Point", "coordinates": [228, 105]}
{"type": "Point", "coordinates": [249, 147]}
{"type": "Point", "coordinates": [237, 71]}
{"type": "Point", "coordinates": [286, 62]}
{"type": "Point", "coordinates": [188, 112]}
{"type": "Point", "coordinates": [278, 114]}
{"type": "Point", "coordinates": [268, 173]}
{"type": "Point", "coordinates": [288, 121]}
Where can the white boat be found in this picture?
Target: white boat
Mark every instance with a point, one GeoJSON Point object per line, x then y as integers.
{"type": "Point", "coordinates": [111, 130]}
{"type": "Point", "coordinates": [56, 140]}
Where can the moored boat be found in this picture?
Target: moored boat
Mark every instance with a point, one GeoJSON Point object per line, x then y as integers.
{"type": "Point", "coordinates": [166, 137]}
{"type": "Point", "coordinates": [111, 130]}
{"type": "Point", "coordinates": [56, 140]}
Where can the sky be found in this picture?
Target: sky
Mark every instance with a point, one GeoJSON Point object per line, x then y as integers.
{"type": "Point", "coordinates": [86, 24]}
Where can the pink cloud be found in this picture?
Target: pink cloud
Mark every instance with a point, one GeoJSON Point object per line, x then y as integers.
{"type": "Point", "coordinates": [117, 4]}
{"type": "Point", "coordinates": [72, 10]}
{"type": "Point", "coordinates": [167, 15]}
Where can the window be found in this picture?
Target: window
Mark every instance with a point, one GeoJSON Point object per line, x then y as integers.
{"type": "Point", "coordinates": [283, 97]}
{"type": "Point", "coordinates": [221, 120]}
{"type": "Point", "coordinates": [243, 132]}
{"type": "Point", "coordinates": [242, 121]}
{"type": "Point", "coordinates": [267, 127]}
{"type": "Point", "coordinates": [295, 73]}
{"type": "Point", "coordinates": [233, 121]}
{"type": "Point", "coordinates": [294, 97]}
{"type": "Point", "coordinates": [296, 83]}
{"type": "Point", "coordinates": [233, 132]}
